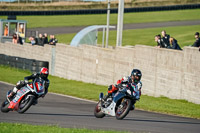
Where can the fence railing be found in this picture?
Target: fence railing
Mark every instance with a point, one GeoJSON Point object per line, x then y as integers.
{"type": "Point", "coordinates": [37, 1]}
{"type": "Point", "coordinates": [101, 11]}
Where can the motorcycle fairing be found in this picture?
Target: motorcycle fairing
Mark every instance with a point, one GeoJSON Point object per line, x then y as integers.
{"type": "Point", "coordinates": [118, 96]}
{"type": "Point", "coordinates": [14, 104]}
{"type": "Point", "coordinates": [110, 110]}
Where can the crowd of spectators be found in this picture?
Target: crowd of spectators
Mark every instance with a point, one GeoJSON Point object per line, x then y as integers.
{"type": "Point", "coordinates": [43, 39]}
{"type": "Point", "coordinates": [165, 41]}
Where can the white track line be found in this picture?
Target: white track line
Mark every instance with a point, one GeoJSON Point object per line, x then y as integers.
{"type": "Point", "coordinates": [73, 97]}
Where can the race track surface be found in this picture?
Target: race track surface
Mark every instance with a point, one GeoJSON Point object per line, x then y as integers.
{"type": "Point", "coordinates": [73, 113]}
{"type": "Point", "coordinates": [67, 30]}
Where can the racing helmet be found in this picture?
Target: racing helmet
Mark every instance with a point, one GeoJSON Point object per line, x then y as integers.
{"type": "Point", "coordinates": [44, 72]}
{"type": "Point", "coordinates": [136, 75]}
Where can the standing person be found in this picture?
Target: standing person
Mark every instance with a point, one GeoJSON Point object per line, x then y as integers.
{"type": "Point", "coordinates": [174, 44]}
{"type": "Point", "coordinates": [20, 41]}
{"type": "Point", "coordinates": [197, 42]}
{"type": "Point", "coordinates": [52, 40]}
{"type": "Point", "coordinates": [165, 39]}
{"type": "Point", "coordinates": [32, 40]}
{"type": "Point", "coordinates": [40, 40]}
{"type": "Point", "coordinates": [159, 42]}
{"type": "Point", "coordinates": [46, 38]}
{"type": "Point", "coordinates": [6, 30]}
{"type": "Point", "coordinates": [15, 38]}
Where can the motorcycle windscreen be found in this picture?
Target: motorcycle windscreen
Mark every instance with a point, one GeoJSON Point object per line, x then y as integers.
{"type": "Point", "coordinates": [39, 87]}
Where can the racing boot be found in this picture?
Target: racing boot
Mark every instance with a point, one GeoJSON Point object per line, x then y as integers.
{"type": "Point", "coordinates": [106, 97]}
{"type": "Point", "coordinates": [11, 96]}
{"type": "Point", "coordinates": [12, 93]}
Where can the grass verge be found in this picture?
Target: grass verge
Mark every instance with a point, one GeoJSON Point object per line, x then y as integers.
{"type": "Point", "coordinates": [184, 35]}
{"type": "Point", "coordinates": [91, 91]}
{"type": "Point", "coordinates": [27, 128]}
{"type": "Point", "coordinates": [100, 19]}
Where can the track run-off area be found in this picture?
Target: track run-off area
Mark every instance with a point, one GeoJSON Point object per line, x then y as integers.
{"type": "Point", "coordinates": [70, 112]}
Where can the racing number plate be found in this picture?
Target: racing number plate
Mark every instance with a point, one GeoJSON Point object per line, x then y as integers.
{"type": "Point", "coordinates": [20, 93]}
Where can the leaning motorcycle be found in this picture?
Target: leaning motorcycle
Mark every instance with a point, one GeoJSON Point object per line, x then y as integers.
{"type": "Point", "coordinates": [118, 105]}
{"type": "Point", "coordinates": [25, 97]}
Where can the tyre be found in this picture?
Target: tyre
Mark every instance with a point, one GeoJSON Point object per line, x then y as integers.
{"type": "Point", "coordinates": [25, 103]}
{"type": "Point", "coordinates": [97, 111]}
{"type": "Point", "coordinates": [4, 107]}
{"type": "Point", "coordinates": [123, 109]}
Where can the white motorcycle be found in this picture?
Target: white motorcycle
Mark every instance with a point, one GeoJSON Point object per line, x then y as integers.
{"type": "Point", "coordinates": [118, 105]}
{"type": "Point", "coordinates": [24, 98]}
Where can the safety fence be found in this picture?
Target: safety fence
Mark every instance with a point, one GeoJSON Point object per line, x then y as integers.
{"type": "Point", "coordinates": [102, 11]}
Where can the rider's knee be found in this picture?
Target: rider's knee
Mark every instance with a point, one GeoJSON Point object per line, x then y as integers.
{"type": "Point", "coordinates": [15, 89]}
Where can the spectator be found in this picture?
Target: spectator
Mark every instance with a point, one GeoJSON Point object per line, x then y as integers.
{"type": "Point", "coordinates": [197, 42]}
{"type": "Point", "coordinates": [32, 40]}
{"type": "Point", "coordinates": [45, 38]}
{"type": "Point", "coordinates": [165, 39]}
{"type": "Point", "coordinates": [6, 30]}
{"type": "Point", "coordinates": [40, 40]}
{"type": "Point", "coordinates": [14, 39]}
{"type": "Point", "coordinates": [17, 39]}
{"type": "Point", "coordinates": [159, 42]}
{"type": "Point", "coordinates": [52, 40]}
{"type": "Point", "coordinates": [174, 44]}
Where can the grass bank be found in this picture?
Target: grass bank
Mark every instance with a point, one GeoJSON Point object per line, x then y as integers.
{"type": "Point", "coordinates": [27, 128]}
{"type": "Point", "coordinates": [91, 91]}
{"type": "Point", "coordinates": [101, 19]}
{"type": "Point", "coordinates": [184, 35]}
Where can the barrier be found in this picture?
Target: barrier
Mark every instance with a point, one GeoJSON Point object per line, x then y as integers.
{"type": "Point", "coordinates": [101, 11]}
{"type": "Point", "coordinates": [23, 63]}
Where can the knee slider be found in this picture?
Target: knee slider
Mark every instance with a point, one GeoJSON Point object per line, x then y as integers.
{"type": "Point", "coordinates": [109, 87]}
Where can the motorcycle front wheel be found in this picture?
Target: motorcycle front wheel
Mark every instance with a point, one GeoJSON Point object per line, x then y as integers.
{"type": "Point", "coordinates": [25, 103]}
{"type": "Point", "coordinates": [97, 111]}
{"type": "Point", "coordinates": [123, 109]}
{"type": "Point", "coordinates": [4, 106]}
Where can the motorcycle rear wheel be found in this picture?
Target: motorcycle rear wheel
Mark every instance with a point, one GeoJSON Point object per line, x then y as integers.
{"type": "Point", "coordinates": [25, 103]}
{"type": "Point", "coordinates": [122, 112]}
{"type": "Point", "coordinates": [4, 106]}
{"type": "Point", "coordinates": [97, 111]}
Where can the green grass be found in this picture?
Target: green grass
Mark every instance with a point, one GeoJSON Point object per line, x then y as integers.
{"type": "Point", "coordinates": [184, 35]}
{"type": "Point", "coordinates": [91, 91]}
{"type": "Point", "coordinates": [27, 128]}
{"type": "Point", "coordinates": [99, 19]}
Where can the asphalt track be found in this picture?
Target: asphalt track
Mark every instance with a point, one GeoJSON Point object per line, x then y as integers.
{"type": "Point", "coordinates": [67, 30]}
{"type": "Point", "coordinates": [75, 113]}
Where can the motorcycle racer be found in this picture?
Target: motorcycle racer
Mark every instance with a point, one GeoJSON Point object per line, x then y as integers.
{"type": "Point", "coordinates": [132, 82]}
{"type": "Point", "coordinates": [42, 75]}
